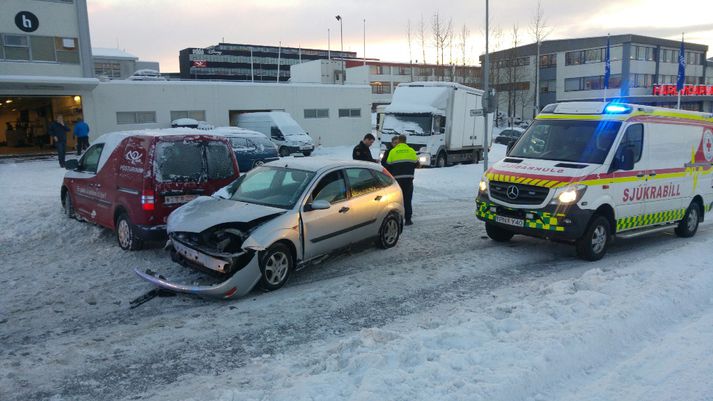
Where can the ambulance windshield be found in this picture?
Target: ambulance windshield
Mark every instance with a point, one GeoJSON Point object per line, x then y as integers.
{"type": "Point", "coordinates": [567, 140]}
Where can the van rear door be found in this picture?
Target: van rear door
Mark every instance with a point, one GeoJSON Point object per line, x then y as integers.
{"type": "Point", "coordinates": [190, 167]}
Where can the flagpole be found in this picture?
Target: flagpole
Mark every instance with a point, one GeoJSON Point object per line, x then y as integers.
{"type": "Point", "coordinates": [681, 81]}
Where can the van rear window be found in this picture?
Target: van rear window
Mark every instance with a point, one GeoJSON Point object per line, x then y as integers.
{"type": "Point", "coordinates": [193, 161]}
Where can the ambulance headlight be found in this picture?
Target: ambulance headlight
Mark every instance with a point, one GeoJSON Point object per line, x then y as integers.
{"type": "Point", "coordinates": [571, 194]}
{"type": "Point", "coordinates": [483, 186]}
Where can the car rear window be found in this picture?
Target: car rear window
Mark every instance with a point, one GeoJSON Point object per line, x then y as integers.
{"type": "Point", "coordinates": [193, 161]}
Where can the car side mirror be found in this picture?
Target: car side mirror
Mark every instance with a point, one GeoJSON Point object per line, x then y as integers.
{"type": "Point", "coordinates": [71, 164]}
{"type": "Point", "coordinates": [319, 205]}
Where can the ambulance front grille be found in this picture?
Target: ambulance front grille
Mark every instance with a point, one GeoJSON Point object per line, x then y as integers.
{"type": "Point", "coordinates": [520, 195]}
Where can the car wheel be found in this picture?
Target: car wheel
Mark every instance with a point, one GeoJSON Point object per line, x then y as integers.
{"type": "Point", "coordinates": [595, 241]}
{"type": "Point", "coordinates": [258, 163]}
{"type": "Point", "coordinates": [275, 267]}
{"type": "Point", "coordinates": [284, 152]}
{"type": "Point", "coordinates": [498, 234]}
{"type": "Point", "coordinates": [441, 160]}
{"type": "Point", "coordinates": [389, 232]}
{"type": "Point", "coordinates": [126, 234]}
{"type": "Point", "coordinates": [689, 225]}
{"type": "Point", "coordinates": [307, 153]}
{"type": "Point", "coordinates": [68, 206]}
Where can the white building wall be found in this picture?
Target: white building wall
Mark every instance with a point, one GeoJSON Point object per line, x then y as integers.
{"type": "Point", "coordinates": [217, 99]}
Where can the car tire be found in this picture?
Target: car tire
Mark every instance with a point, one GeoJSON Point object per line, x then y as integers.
{"type": "Point", "coordinates": [689, 225]}
{"type": "Point", "coordinates": [441, 160]}
{"type": "Point", "coordinates": [595, 241]}
{"type": "Point", "coordinates": [126, 234]}
{"type": "Point", "coordinates": [497, 233]}
{"type": "Point", "coordinates": [68, 206]}
{"type": "Point", "coordinates": [284, 152]}
{"type": "Point", "coordinates": [389, 232]}
{"type": "Point", "coordinates": [276, 264]}
{"type": "Point", "coordinates": [307, 153]}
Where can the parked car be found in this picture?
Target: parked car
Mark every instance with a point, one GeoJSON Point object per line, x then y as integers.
{"type": "Point", "coordinates": [508, 136]}
{"type": "Point", "coordinates": [281, 128]}
{"type": "Point", "coordinates": [251, 148]}
{"type": "Point", "coordinates": [131, 181]}
{"type": "Point", "coordinates": [278, 218]}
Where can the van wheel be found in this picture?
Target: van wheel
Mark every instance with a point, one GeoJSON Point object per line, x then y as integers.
{"type": "Point", "coordinates": [68, 206]}
{"type": "Point", "coordinates": [275, 267]}
{"type": "Point", "coordinates": [307, 153]}
{"type": "Point", "coordinates": [284, 152]}
{"type": "Point", "coordinates": [498, 234]}
{"type": "Point", "coordinates": [126, 234]}
{"type": "Point", "coordinates": [441, 160]}
{"type": "Point", "coordinates": [389, 232]}
{"type": "Point", "coordinates": [595, 241]}
{"type": "Point", "coordinates": [689, 225]}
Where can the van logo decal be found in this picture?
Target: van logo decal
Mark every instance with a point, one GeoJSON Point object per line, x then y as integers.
{"type": "Point", "coordinates": [133, 156]}
{"type": "Point", "coordinates": [708, 145]}
{"type": "Point", "coordinates": [513, 192]}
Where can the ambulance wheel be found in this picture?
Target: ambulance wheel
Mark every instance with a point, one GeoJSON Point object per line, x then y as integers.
{"type": "Point", "coordinates": [127, 235]}
{"type": "Point", "coordinates": [275, 267]}
{"type": "Point", "coordinates": [689, 225]}
{"type": "Point", "coordinates": [497, 233]}
{"type": "Point", "coordinates": [595, 241]}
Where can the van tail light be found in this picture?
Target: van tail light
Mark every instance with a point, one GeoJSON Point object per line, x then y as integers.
{"type": "Point", "coordinates": [148, 200]}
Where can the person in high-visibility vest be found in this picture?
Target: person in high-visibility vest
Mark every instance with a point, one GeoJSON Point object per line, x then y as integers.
{"type": "Point", "coordinates": [401, 163]}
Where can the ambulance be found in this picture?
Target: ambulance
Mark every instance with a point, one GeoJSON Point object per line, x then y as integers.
{"type": "Point", "coordinates": [590, 172]}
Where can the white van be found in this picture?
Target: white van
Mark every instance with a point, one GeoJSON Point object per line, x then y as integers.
{"type": "Point", "coordinates": [585, 172]}
{"type": "Point", "coordinates": [281, 128]}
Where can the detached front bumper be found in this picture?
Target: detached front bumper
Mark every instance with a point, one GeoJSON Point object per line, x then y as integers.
{"type": "Point", "coordinates": [552, 222]}
{"type": "Point", "coordinates": [238, 284]}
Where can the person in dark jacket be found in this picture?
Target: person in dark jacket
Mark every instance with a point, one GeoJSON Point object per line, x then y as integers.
{"type": "Point", "coordinates": [81, 132]}
{"type": "Point", "coordinates": [402, 162]}
{"type": "Point", "coordinates": [394, 142]}
{"type": "Point", "coordinates": [362, 151]}
{"type": "Point", "coordinates": [59, 131]}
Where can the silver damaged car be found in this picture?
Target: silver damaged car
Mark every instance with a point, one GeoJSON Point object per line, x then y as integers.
{"type": "Point", "coordinates": [276, 219]}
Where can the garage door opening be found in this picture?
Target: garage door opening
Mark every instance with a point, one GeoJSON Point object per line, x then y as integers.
{"type": "Point", "coordinates": [24, 123]}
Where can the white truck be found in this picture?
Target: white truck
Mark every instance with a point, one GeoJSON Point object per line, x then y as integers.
{"type": "Point", "coordinates": [443, 122]}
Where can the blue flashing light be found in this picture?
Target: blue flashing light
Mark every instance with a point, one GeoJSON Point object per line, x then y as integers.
{"type": "Point", "coordinates": [617, 109]}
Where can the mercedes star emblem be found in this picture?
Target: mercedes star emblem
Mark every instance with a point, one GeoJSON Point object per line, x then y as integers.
{"type": "Point", "coordinates": [513, 192]}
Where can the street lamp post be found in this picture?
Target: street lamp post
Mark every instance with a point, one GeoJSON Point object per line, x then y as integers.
{"type": "Point", "coordinates": [341, 38]}
{"type": "Point", "coordinates": [486, 110]}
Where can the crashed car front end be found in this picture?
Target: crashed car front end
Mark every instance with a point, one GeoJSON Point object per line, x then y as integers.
{"type": "Point", "coordinates": [224, 251]}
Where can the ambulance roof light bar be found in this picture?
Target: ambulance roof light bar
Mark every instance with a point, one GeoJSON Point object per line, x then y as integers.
{"type": "Point", "coordinates": [613, 108]}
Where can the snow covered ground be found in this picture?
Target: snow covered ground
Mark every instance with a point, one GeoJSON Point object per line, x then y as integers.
{"type": "Point", "coordinates": [446, 315]}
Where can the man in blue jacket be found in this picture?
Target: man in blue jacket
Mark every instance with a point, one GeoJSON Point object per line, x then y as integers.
{"type": "Point", "coordinates": [59, 131]}
{"type": "Point", "coordinates": [81, 132]}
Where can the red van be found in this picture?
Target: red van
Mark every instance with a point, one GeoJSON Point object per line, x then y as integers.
{"type": "Point", "coordinates": [131, 181]}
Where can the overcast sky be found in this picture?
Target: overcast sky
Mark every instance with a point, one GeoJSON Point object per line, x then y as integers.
{"type": "Point", "coordinates": [156, 30]}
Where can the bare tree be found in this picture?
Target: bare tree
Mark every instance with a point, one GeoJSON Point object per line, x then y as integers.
{"type": "Point", "coordinates": [513, 72]}
{"type": "Point", "coordinates": [437, 32]}
{"type": "Point", "coordinates": [539, 31]}
{"type": "Point", "coordinates": [410, 42]}
{"type": "Point", "coordinates": [421, 34]}
{"type": "Point", "coordinates": [463, 43]}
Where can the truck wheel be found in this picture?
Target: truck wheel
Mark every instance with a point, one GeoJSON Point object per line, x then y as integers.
{"type": "Point", "coordinates": [126, 234]}
{"type": "Point", "coordinates": [284, 152]}
{"type": "Point", "coordinates": [441, 160]}
{"type": "Point", "coordinates": [307, 153]}
{"type": "Point", "coordinates": [275, 267]}
{"type": "Point", "coordinates": [595, 241]}
{"type": "Point", "coordinates": [689, 225]}
{"type": "Point", "coordinates": [498, 234]}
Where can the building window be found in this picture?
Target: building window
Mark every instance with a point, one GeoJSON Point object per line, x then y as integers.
{"type": "Point", "coordinates": [380, 87]}
{"type": "Point", "coordinates": [39, 48]}
{"type": "Point", "coordinates": [548, 60]}
{"type": "Point", "coordinates": [591, 83]}
{"type": "Point", "coordinates": [198, 115]}
{"type": "Point", "coordinates": [316, 113]}
{"type": "Point", "coordinates": [135, 117]}
{"type": "Point", "coordinates": [378, 70]}
{"type": "Point", "coordinates": [403, 71]}
{"type": "Point", "coordinates": [42, 48]}
{"type": "Point", "coordinates": [598, 55]}
{"type": "Point", "coordinates": [641, 81]}
{"type": "Point", "coordinates": [548, 86]}
{"type": "Point", "coordinates": [16, 47]}
{"type": "Point", "coordinates": [349, 112]}
{"type": "Point", "coordinates": [109, 70]}
{"type": "Point", "coordinates": [643, 53]}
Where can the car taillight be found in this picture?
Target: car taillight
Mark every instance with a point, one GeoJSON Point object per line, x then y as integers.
{"type": "Point", "coordinates": [148, 200]}
{"type": "Point", "coordinates": [385, 171]}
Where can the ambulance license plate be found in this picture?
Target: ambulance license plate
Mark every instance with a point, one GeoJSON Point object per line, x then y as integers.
{"type": "Point", "coordinates": [169, 200]}
{"type": "Point", "coordinates": [510, 221]}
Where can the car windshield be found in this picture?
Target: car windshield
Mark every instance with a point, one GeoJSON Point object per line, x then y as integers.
{"type": "Point", "coordinates": [411, 124]}
{"type": "Point", "coordinates": [262, 143]}
{"type": "Point", "coordinates": [271, 186]}
{"type": "Point", "coordinates": [567, 140]}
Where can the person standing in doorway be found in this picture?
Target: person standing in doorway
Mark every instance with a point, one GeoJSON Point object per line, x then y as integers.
{"type": "Point", "coordinates": [402, 162]}
{"type": "Point", "coordinates": [81, 132]}
{"type": "Point", "coordinates": [362, 150]}
{"type": "Point", "coordinates": [59, 131]}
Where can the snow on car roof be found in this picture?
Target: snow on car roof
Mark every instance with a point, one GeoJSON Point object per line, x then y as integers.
{"type": "Point", "coordinates": [237, 131]}
{"type": "Point", "coordinates": [318, 164]}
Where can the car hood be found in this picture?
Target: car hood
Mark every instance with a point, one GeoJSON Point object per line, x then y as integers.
{"type": "Point", "coordinates": [205, 212]}
{"type": "Point", "coordinates": [547, 173]}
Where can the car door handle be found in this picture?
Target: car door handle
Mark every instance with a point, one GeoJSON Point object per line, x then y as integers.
{"type": "Point", "coordinates": [378, 198]}
{"type": "Point", "coordinates": [344, 209]}
{"type": "Point", "coordinates": [640, 175]}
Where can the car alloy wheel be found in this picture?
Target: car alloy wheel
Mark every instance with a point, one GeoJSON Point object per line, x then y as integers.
{"type": "Point", "coordinates": [126, 235]}
{"type": "Point", "coordinates": [389, 232]}
{"type": "Point", "coordinates": [275, 267]}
